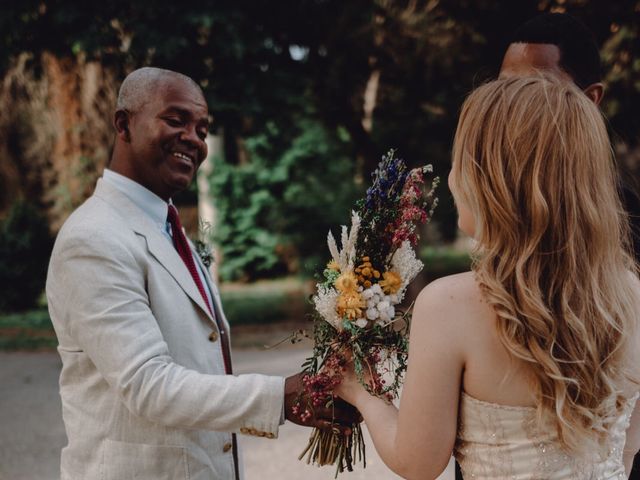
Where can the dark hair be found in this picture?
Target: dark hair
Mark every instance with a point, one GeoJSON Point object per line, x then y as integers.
{"type": "Point", "coordinates": [579, 55]}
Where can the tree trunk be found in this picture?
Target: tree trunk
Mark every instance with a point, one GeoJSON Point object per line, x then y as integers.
{"type": "Point", "coordinates": [56, 138]}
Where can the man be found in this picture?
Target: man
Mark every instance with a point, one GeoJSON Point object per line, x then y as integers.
{"type": "Point", "coordinates": [146, 384]}
{"type": "Point", "coordinates": [557, 43]}
{"type": "Point", "coordinates": [560, 44]}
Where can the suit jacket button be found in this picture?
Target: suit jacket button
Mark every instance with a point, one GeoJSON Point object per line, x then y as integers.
{"type": "Point", "coordinates": [213, 336]}
{"type": "Point", "coordinates": [227, 447]}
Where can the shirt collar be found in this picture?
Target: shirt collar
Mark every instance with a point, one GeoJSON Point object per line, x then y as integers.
{"type": "Point", "coordinates": [151, 204]}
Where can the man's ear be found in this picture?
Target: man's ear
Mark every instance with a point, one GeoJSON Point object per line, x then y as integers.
{"type": "Point", "coordinates": [595, 92]}
{"type": "Point", "coordinates": [121, 123]}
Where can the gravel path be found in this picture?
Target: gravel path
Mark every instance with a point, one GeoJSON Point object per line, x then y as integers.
{"type": "Point", "coordinates": [32, 433]}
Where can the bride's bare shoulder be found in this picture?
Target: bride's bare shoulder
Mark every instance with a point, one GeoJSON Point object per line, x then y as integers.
{"type": "Point", "coordinates": [451, 291]}
{"type": "Point", "coordinates": [448, 312]}
{"type": "Point", "coordinates": [455, 300]}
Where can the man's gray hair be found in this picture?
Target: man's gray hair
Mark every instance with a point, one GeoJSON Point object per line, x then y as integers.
{"type": "Point", "coordinates": [142, 84]}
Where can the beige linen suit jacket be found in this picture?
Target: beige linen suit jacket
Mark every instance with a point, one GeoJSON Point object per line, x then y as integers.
{"type": "Point", "coordinates": [144, 391]}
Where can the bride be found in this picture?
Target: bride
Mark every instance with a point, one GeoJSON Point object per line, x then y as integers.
{"type": "Point", "coordinates": [528, 366]}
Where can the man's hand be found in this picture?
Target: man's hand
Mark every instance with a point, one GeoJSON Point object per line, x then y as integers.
{"type": "Point", "coordinates": [340, 415]}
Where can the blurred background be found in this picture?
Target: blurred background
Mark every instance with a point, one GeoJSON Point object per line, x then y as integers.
{"type": "Point", "coordinates": [305, 97]}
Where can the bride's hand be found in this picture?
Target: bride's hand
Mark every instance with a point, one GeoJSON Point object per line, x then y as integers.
{"type": "Point", "coordinates": [350, 388]}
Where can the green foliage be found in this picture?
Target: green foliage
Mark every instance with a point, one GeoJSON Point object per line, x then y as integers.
{"type": "Point", "coordinates": [25, 247]}
{"type": "Point", "coordinates": [427, 56]}
{"type": "Point", "coordinates": [262, 307]}
{"type": "Point", "coordinates": [247, 244]}
{"type": "Point", "coordinates": [443, 261]}
{"type": "Point", "coordinates": [29, 341]}
{"type": "Point", "coordinates": [279, 207]}
{"type": "Point", "coordinates": [29, 330]}
{"type": "Point", "coordinates": [30, 319]}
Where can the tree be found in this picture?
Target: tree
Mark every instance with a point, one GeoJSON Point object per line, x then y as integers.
{"type": "Point", "coordinates": [372, 74]}
{"type": "Point", "coordinates": [25, 246]}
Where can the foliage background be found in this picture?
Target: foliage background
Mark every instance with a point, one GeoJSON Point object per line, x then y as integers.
{"type": "Point", "coordinates": [305, 95]}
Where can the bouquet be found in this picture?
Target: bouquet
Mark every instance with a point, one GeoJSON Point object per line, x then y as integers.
{"type": "Point", "coordinates": [357, 303]}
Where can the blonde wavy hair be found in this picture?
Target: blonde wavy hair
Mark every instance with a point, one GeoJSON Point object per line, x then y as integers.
{"type": "Point", "coordinates": [533, 163]}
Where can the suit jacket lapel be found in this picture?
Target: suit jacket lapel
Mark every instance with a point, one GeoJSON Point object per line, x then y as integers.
{"type": "Point", "coordinates": [215, 294]}
{"type": "Point", "coordinates": [157, 245]}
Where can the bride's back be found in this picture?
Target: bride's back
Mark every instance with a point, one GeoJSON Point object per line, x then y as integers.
{"type": "Point", "coordinates": [491, 373]}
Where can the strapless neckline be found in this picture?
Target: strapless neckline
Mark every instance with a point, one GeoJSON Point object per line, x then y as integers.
{"type": "Point", "coordinates": [471, 398]}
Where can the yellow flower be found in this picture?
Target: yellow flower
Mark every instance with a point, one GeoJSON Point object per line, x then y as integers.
{"type": "Point", "coordinates": [333, 265]}
{"type": "Point", "coordinates": [391, 282]}
{"type": "Point", "coordinates": [347, 282]}
{"type": "Point", "coordinates": [351, 304]}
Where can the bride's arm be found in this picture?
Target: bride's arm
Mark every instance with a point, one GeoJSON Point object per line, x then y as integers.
{"type": "Point", "coordinates": [416, 441]}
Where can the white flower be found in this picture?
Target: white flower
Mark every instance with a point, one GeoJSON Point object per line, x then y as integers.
{"type": "Point", "coordinates": [361, 322]}
{"type": "Point", "coordinates": [383, 306]}
{"type": "Point", "coordinates": [405, 264]}
{"type": "Point", "coordinates": [384, 317]}
{"type": "Point", "coordinates": [367, 294]}
{"type": "Point", "coordinates": [391, 312]}
{"type": "Point", "coordinates": [333, 249]}
{"type": "Point", "coordinates": [384, 355]}
{"type": "Point", "coordinates": [325, 302]}
{"type": "Point", "coordinates": [380, 306]}
{"type": "Point", "coordinates": [386, 313]}
{"type": "Point", "coordinates": [346, 257]}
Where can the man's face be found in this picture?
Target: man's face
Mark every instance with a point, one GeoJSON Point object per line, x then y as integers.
{"type": "Point", "coordinates": [167, 137]}
{"type": "Point", "coordinates": [523, 59]}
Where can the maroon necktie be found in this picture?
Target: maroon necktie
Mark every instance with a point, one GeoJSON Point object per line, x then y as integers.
{"type": "Point", "coordinates": [184, 250]}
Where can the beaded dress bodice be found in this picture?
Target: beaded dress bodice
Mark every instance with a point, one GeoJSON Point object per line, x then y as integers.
{"type": "Point", "coordinates": [505, 442]}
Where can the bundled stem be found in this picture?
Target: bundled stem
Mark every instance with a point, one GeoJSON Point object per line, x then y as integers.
{"type": "Point", "coordinates": [329, 447]}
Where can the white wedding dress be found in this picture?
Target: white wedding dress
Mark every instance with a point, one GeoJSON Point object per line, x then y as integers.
{"type": "Point", "coordinates": [504, 442]}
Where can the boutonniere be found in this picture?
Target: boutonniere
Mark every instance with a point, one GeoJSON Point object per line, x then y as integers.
{"type": "Point", "coordinates": [205, 252]}
{"type": "Point", "coordinates": [203, 248]}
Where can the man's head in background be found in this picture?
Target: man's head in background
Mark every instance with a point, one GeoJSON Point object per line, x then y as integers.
{"type": "Point", "coordinates": [559, 43]}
